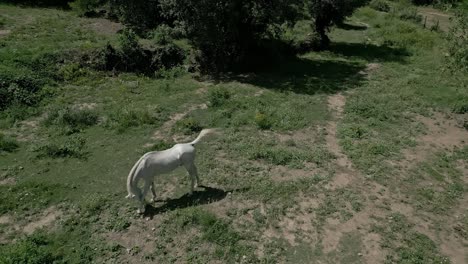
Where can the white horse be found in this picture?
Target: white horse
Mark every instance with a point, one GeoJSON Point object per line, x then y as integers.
{"type": "Point", "coordinates": [156, 163]}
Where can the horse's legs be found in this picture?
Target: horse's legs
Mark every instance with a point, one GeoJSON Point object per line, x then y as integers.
{"type": "Point", "coordinates": [153, 192]}
{"type": "Point", "coordinates": [192, 170]}
{"type": "Point", "coordinates": [146, 188]}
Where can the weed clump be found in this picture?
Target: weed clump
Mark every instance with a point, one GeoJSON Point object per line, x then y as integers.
{"type": "Point", "coordinates": [380, 5]}
{"type": "Point", "coordinates": [263, 121]}
{"type": "Point", "coordinates": [218, 97]}
{"type": "Point", "coordinates": [123, 119]}
{"type": "Point", "coordinates": [71, 148]}
{"type": "Point", "coordinates": [71, 119]}
{"type": "Point", "coordinates": [188, 126]}
{"type": "Point", "coordinates": [7, 144]}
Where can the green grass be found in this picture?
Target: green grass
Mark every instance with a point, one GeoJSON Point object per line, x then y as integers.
{"type": "Point", "coordinates": [77, 159]}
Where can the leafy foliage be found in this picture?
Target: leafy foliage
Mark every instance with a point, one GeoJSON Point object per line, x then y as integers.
{"type": "Point", "coordinates": [227, 32]}
{"type": "Point", "coordinates": [458, 43]}
{"type": "Point", "coordinates": [7, 144]}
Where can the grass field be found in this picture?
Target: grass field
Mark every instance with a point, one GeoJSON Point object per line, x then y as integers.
{"type": "Point", "coordinates": [354, 155]}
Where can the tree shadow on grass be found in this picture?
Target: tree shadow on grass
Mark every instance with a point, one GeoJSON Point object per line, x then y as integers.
{"type": "Point", "coordinates": [312, 76]}
{"type": "Point", "coordinates": [306, 76]}
{"type": "Point", "coordinates": [369, 52]}
{"type": "Point", "coordinates": [207, 196]}
{"type": "Point", "coordinates": [347, 26]}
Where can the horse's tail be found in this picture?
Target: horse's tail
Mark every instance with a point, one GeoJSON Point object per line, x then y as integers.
{"type": "Point", "coordinates": [132, 189]}
{"type": "Point", "coordinates": [203, 133]}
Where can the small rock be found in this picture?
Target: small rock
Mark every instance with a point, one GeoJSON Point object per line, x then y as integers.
{"type": "Point", "coordinates": [128, 250]}
{"type": "Point", "coordinates": [152, 229]}
{"type": "Point", "coordinates": [359, 254]}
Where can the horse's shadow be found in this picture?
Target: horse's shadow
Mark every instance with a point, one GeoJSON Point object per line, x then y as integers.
{"type": "Point", "coordinates": [208, 195]}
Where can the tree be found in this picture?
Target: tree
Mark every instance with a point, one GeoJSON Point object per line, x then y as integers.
{"type": "Point", "coordinates": [227, 32]}
{"type": "Point", "coordinates": [326, 13]}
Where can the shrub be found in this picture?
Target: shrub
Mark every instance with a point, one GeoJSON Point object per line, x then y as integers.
{"type": "Point", "coordinates": [380, 5]}
{"type": "Point", "coordinates": [122, 119]}
{"type": "Point", "coordinates": [32, 249]}
{"type": "Point", "coordinates": [86, 7]}
{"type": "Point", "coordinates": [218, 96]}
{"type": "Point", "coordinates": [167, 56]}
{"type": "Point", "coordinates": [72, 71]}
{"type": "Point", "coordinates": [73, 147]}
{"type": "Point", "coordinates": [71, 118]}
{"type": "Point", "coordinates": [263, 121]}
{"type": "Point", "coordinates": [22, 80]}
{"type": "Point", "coordinates": [132, 57]}
{"type": "Point", "coordinates": [140, 15]}
{"type": "Point", "coordinates": [409, 13]}
{"type": "Point", "coordinates": [188, 126]}
{"type": "Point", "coordinates": [460, 107]}
{"type": "Point", "coordinates": [457, 38]}
{"type": "Point", "coordinates": [7, 144]}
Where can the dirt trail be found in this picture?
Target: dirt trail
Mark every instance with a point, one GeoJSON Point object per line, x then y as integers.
{"type": "Point", "coordinates": [166, 127]}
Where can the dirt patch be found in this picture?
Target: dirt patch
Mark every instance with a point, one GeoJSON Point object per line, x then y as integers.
{"type": "Point", "coordinates": [442, 134]}
{"type": "Point", "coordinates": [336, 103]}
{"type": "Point", "coordinates": [4, 32]}
{"type": "Point", "coordinates": [282, 173]}
{"type": "Point", "coordinates": [370, 67]}
{"type": "Point", "coordinates": [47, 219]}
{"type": "Point", "coordinates": [8, 181]}
{"type": "Point", "coordinates": [104, 26]}
{"type": "Point", "coordinates": [166, 127]}
{"type": "Point", "coordinates": [432, 17]}
{"type": "Point", "coordinates": [86, 106]}
{"type": "Point", "coordinates": [259, 93]}
{"type": "Point", "coordinates": [5, 219]}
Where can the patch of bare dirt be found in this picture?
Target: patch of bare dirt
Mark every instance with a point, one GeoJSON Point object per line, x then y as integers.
{"type": "Point", "coordinates": [433, 17]}
{"type": "Point", "coordinates": [336, 103]}
{"type": "Point", "coordinates": [166, 127]}
{"type": "Point", "coordinates": [86, 106]}
{"type": "Point", "coordinates": [47, 219]}
{"type": "Point", "coordinates": [259, 92]}
{"type": "Point", "coordinates": [282, 173]}
{"type": "Point", "coordinates": [8, 181]}
{"type": "Point", "coordinates": [442, 134]}
{"type": "Point", "coordinates": [104, 26]}
{"type": "Point", "coordinates": [4, 32]}
{"type": "Point", "coordinates": [370, 68]}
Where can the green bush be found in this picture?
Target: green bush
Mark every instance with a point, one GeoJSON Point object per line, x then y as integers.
{"type": "Point", "coordinates": [71, 118]}
{"type": "Point", "coordinates": [130, 56]}
{"type": "Point", "coordinates": [457, 38]}
{"type": "Point", "coordinates": [409, 13]}
{"type": "Point", "coordinates": [86, 7]}
{"type": "Point", "coordinates": [73, 147]}
{"type": "Point", "coordinates": [218, 97]}
{"type": "Point", "coordinates": [125, 118]}
{"type": "Point", "coordinates": [263, 121]}
{"type": "Point", "coordinates": [7, 144]}
{"type": "Point", "coordinates": [22, 80]}
{"type": "Point", "coordinates": [32, 250]}
{"type": "Point", "coordinates": [188, 126]}
{"type": "Point", "coordinates": [380, 5]}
